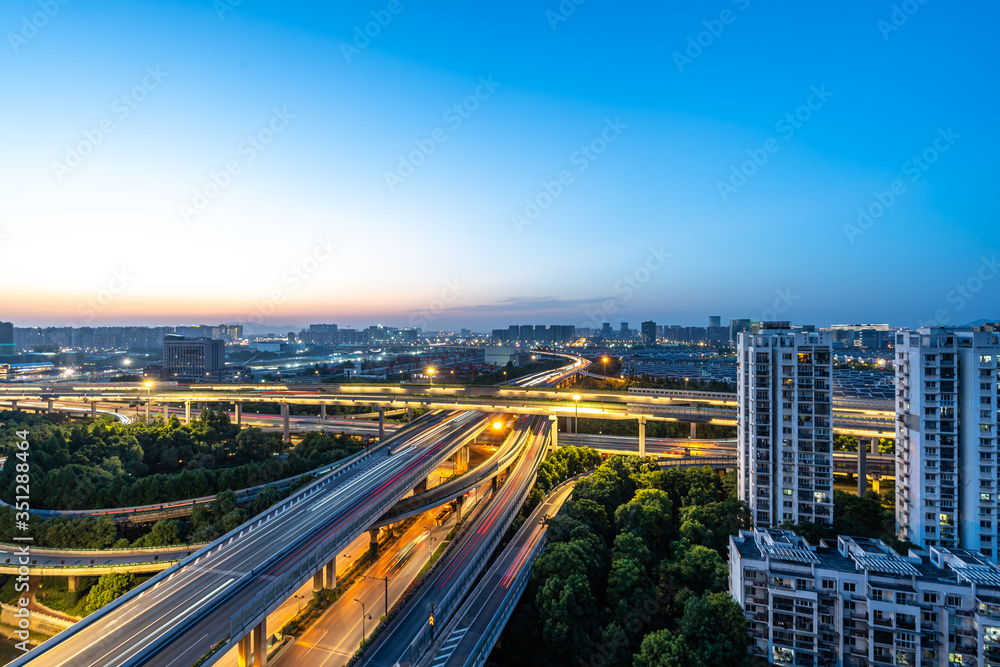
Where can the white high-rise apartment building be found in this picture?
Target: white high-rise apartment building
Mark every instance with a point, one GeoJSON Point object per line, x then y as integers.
{"type": "Point", "coordinates": [784, 425]}
{"type": "Point", "coordinates": [946, 438]}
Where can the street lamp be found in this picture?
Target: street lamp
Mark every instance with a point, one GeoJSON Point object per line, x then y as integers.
{"type": "Point", "coordinates": [576, 413]}
{"type": "Point", "coordinates": [430, 372]}
{"type": "Point", "coordinates": [362, 620]}
{"type": "Point", "coordinates": [604, 360]}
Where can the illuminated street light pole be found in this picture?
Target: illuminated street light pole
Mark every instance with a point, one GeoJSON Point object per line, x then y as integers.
{"type": "Point", "coordinates": [604, 360]}
{"type": "Point", "coordinates": [430, 373]}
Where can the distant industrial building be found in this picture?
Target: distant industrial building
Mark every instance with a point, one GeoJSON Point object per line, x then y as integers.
{"type": "Point", "coordinates": [6, 338]}
{"type": "Point", "coordinates": [194, 359]}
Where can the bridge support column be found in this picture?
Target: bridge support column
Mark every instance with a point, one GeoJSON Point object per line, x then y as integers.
{"type": "Point", "coordinates": [409, 414]}
{"type": "Point", "coordinates": [148, 408]}
{"type": "Point", "coordinates": [373, 542]}
{"type": "Point", "coordinates": [862, 468]}
{"type": "Point", "coordinates": [72, 583]}
{"type": "Point", "coordinates": [166, 413]}
{"type": "Point", "coordinates": [238, 409]}
{"type": "Point", "coordinates": [330, 569]}
{"type": "Point", "coordinates": [420, 487]}
{"type": "Point", "coordinates": [555, 430]}
{"type": "Point", "coordinates": [187, 412]}
{"type": "Point", "coordinates": [642, 436]}
{"type": "Point", "coordinates": [93, 409]}
{"type": "Point", "coordinates": [260, 644]}
{"type": "Point", "coordinates": [13, 407]}
{"type": "Point", "coordinates": [318, 581]}
{"type": "Point", "coordinates": [243, 651]}
{"type": "Point", "coordinates": [49, 402]}
{"type": "Point", "coordinates": [286, 435]}
{"type": "Point", "coordinates": [322, 410]}
{"type": "Point", "coordinates": [694, 430]}
{"type": "Point", "coordinates": [381, 423]}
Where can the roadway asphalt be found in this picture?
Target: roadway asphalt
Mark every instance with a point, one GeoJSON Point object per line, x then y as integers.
{"type": "Point", "coordinates": [179, 617]}
{"type": "Point", "coordinates": [392, 648]}
{"type": "Point", "coordinates": [334, 638]}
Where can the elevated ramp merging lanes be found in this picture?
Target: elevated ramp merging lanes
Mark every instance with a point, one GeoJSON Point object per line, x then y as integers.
{"type": "Point", "coordinates": [468, 640]}
{"type": "Point", "coordinates": [410, 635]}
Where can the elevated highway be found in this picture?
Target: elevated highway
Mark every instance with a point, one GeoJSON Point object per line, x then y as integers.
{"type": "Point", "coordinates": [218, 593]}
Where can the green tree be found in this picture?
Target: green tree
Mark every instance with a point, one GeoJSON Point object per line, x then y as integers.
{"type": "Point", "coordinates": [715, 627]}
{"type": "Point", "coordinates": [695, 567]}
{"type": "Point", "coordinates": [108, 588]}
{"type": "Point", "coordinates": [569, 612]}
{"type": "Point", "coordinates": [665, 649]}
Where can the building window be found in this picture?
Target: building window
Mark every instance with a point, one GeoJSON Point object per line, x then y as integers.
{"type": "Point", "coordinates": [953, 601]}
{"type": "Point", "coordinates": [829, 584]}
{"type": "Point", "coordinates": [850, 586]}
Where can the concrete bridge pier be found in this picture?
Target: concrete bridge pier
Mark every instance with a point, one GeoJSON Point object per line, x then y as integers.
{"type": "Point", "coordinates": [187, 412]}
{"type": "Point", "coordinates": [381, 423]}
{"type": "Point", "coordinates": [461, 460]}
{"type": "Point", "coordinates": [260, 643]}
{"type": "Point", "coordinates": [148, 408]}
{"type": "Point", "coordinates": [166, 413]}
{"type": "Point", "coordinates": [555, 431]}
{"type": "Point", "coordinates": [330, 570]}
{"type": "Point", "coordinates": [13, 406]}
{"type": "Point", "coordinates": [694, 430]}
{"type": "Point", "coordinates": [322, 410]}
{"type": "Point", "coordinates": [49, 404]}
{"type": "Point", "coordinates": [243, 651]}
{"type": "Point", "coordinates": [318, 581]}
{"type": "Point", "coordinates": [257, 654]}
{"type": "Point", "coordinates": [72, 583]}
{"type": "Point", "coordinates": [409, 414]}
{"type": "Point", "coordinates": [373, 542]}
{"type": "Point", "coordinates": [286, 435]}
{"type": "Point", "coordinates": [93, 409]}
{"type": "Point", "coordinates": [238, 409]}
{"type": "Point", "coordinates": [420, 487]}
{"type": "Point", "coordinates": [642, 436]}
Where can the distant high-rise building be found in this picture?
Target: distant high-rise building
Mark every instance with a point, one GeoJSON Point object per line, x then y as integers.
{"type": "Point", "coordinates": [193, 359]}
{"type": "Point", "coordinates": [737, 327]}
{"type": "Point", "coordinates": [563, 333]}
{"type": "Point", "coordinates": [541, 335]}
{"type": "Point", "coordinates": [606, 329]}
{"type": "Point", "coordinates": [623, 330]}
{"type": "Point", "coordinates": [6, 338]}
{"type": "Point", "coordinates": [526, 333]}
{"type": "Point", "coordinates": [714, 320]}
{"type": "Point", "coordinates": [499, 335]}
{"type": "Point", "coordinates": [228, 332]}
{"type": "Point", "coordinates": [784, 431]}
{"type": "Point", "coordinates": [648, 333]}
{"type": "Point", "coordinates": [946, 436]}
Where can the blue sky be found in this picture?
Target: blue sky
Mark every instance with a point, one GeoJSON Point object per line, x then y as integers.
{"type": "Point", "coordinates": [484, 165]}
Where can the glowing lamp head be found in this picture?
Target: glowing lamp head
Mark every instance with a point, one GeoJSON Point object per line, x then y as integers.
{"type": "Point", "coordinates": [576, 397]}
{"type": "Point", "coordinates": [497, 425]}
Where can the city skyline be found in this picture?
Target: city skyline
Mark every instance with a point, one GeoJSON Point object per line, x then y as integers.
{"type": "Point", "coordinates": [236, 160]}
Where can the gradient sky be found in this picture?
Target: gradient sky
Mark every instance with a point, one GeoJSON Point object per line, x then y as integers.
{"type": "Point", "coordinates": [105, 239]}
